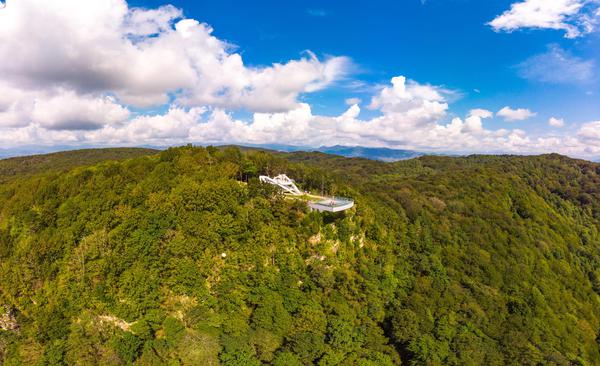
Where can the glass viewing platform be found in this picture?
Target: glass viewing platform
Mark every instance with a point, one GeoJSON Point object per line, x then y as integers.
{"type": "Point", "coordinates": [333, 204]}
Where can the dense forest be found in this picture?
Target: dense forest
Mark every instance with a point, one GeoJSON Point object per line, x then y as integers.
{"type": "Point", "coordinates": [182, 257]}
{"type": "Point", "coordinates": [64, 160]}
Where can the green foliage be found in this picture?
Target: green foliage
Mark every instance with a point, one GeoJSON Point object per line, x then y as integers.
{"type": "Point", "coordinates": [127, 346]}
{"type": "Point", "coordinates": [66, 160]}
{"type": "Point", "coordinates": [456, 261]}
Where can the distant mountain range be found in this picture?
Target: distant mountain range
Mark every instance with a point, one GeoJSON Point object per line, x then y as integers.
{"type": "Point", "coordinates": [373, 153]}
{"type": "Point", "coordinates": [32, 150]}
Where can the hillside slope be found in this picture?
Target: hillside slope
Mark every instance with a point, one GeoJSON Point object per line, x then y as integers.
{"type": "Point", "coordinates": [65, 160]}
{"type": "Point", "coordinates": [184, 258]}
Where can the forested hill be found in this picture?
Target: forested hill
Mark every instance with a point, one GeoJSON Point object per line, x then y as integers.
{"type": "Point", "coordinates": [182, 258]}
{"type": "Point", "coordinates": [61, 161]}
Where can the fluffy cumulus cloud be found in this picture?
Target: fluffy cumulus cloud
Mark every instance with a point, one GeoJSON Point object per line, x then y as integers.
{"type": "Point", "coordinates": [590, 131]}
{"type": "Point", "coordinates": [58, 109]}
{"type": "Point", "coordinates": [575, 17]}
{"type": "Point", "coordinates": [511, 115]}
{"type": "Point", "coordinates": [68, 111]}
{"type": "Point", "coordinates": [412, 116]}
{"type": "Point", "coordinates": [556, 122]}
{"type": "Point", "coordinates": [98, 72]}
{"type": "Point", "coordinates": [145, 57]}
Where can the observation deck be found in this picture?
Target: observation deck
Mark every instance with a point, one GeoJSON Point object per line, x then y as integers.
{"type": "Point", "coordinates": [333, 204]}
{"type": "Point", "coordinates": [318, 203]}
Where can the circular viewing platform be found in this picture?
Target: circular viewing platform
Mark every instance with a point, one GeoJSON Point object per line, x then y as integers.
{"type": "Point", "coordinates": [333, 204]}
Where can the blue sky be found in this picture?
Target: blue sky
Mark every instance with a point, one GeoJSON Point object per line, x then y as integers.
{"type": "Point", "coordinates": [494, 76]}
{"type": "Point", "coordinates": [441, 42]}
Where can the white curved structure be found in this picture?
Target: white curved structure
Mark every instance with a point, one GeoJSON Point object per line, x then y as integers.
{"type": "Point", "coordinates": [333, 204]}
{"type": "Point", "coordinates": [284, 182]}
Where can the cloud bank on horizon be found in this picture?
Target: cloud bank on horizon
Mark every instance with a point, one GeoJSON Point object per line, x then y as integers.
{"type": "Point", "coordinates": [101, 72]}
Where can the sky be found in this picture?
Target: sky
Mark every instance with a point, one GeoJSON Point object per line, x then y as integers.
{"type": "Point", "coordinates": [441, 76]}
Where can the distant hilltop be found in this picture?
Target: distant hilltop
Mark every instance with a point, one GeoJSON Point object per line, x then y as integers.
{"type": "Point", "coordinates": [372, 153]}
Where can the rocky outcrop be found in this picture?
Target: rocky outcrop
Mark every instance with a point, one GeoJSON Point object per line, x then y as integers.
{"type": "Point", "coordinates": [7, 319]}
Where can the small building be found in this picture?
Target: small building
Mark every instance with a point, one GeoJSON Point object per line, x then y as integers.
{"type": "Point", "coordinates": [333, 204]}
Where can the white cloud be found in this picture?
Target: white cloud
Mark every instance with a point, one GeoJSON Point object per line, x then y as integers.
{"type": "Point", "coordinates": [352, 101]}
{"type": "Point", "coordinates": [351, 114]}
{"type": "Point", "coordinates": [272, 89]}
{"type": "Point", "coordinates": [575, 17]}
{"type": "Point", "coordinates": [68, 111]}
{"type": "Point", "coordinates": [591, 132]}
{"type": "Point", "coordinates": [481, 113]}
{"type": "Point", "coordinates": [78, 70]}
{"type": "Point", "coordinates": [412, 117]}
{"type": "Point", "coordinates": [145, 22]}
{"type": "Point", "coordinates": [412, 104]}
{"type": "Point", "coordinates": [511, 115]}
{"type": "Point", "coordinates": [145, 57]}
{"type": "Point", "coordinates": [173, 126]}
{"type": "Point", "coordinates": [423, 130]}
{"type": "Point", "coordinates": [557, 66]}
{"type": "Point", "coordinates": [58, 109]}
{"type": "Point", "coordinates": [556, 122]}
{"type": "Point", "coordinates": [14, 105]}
